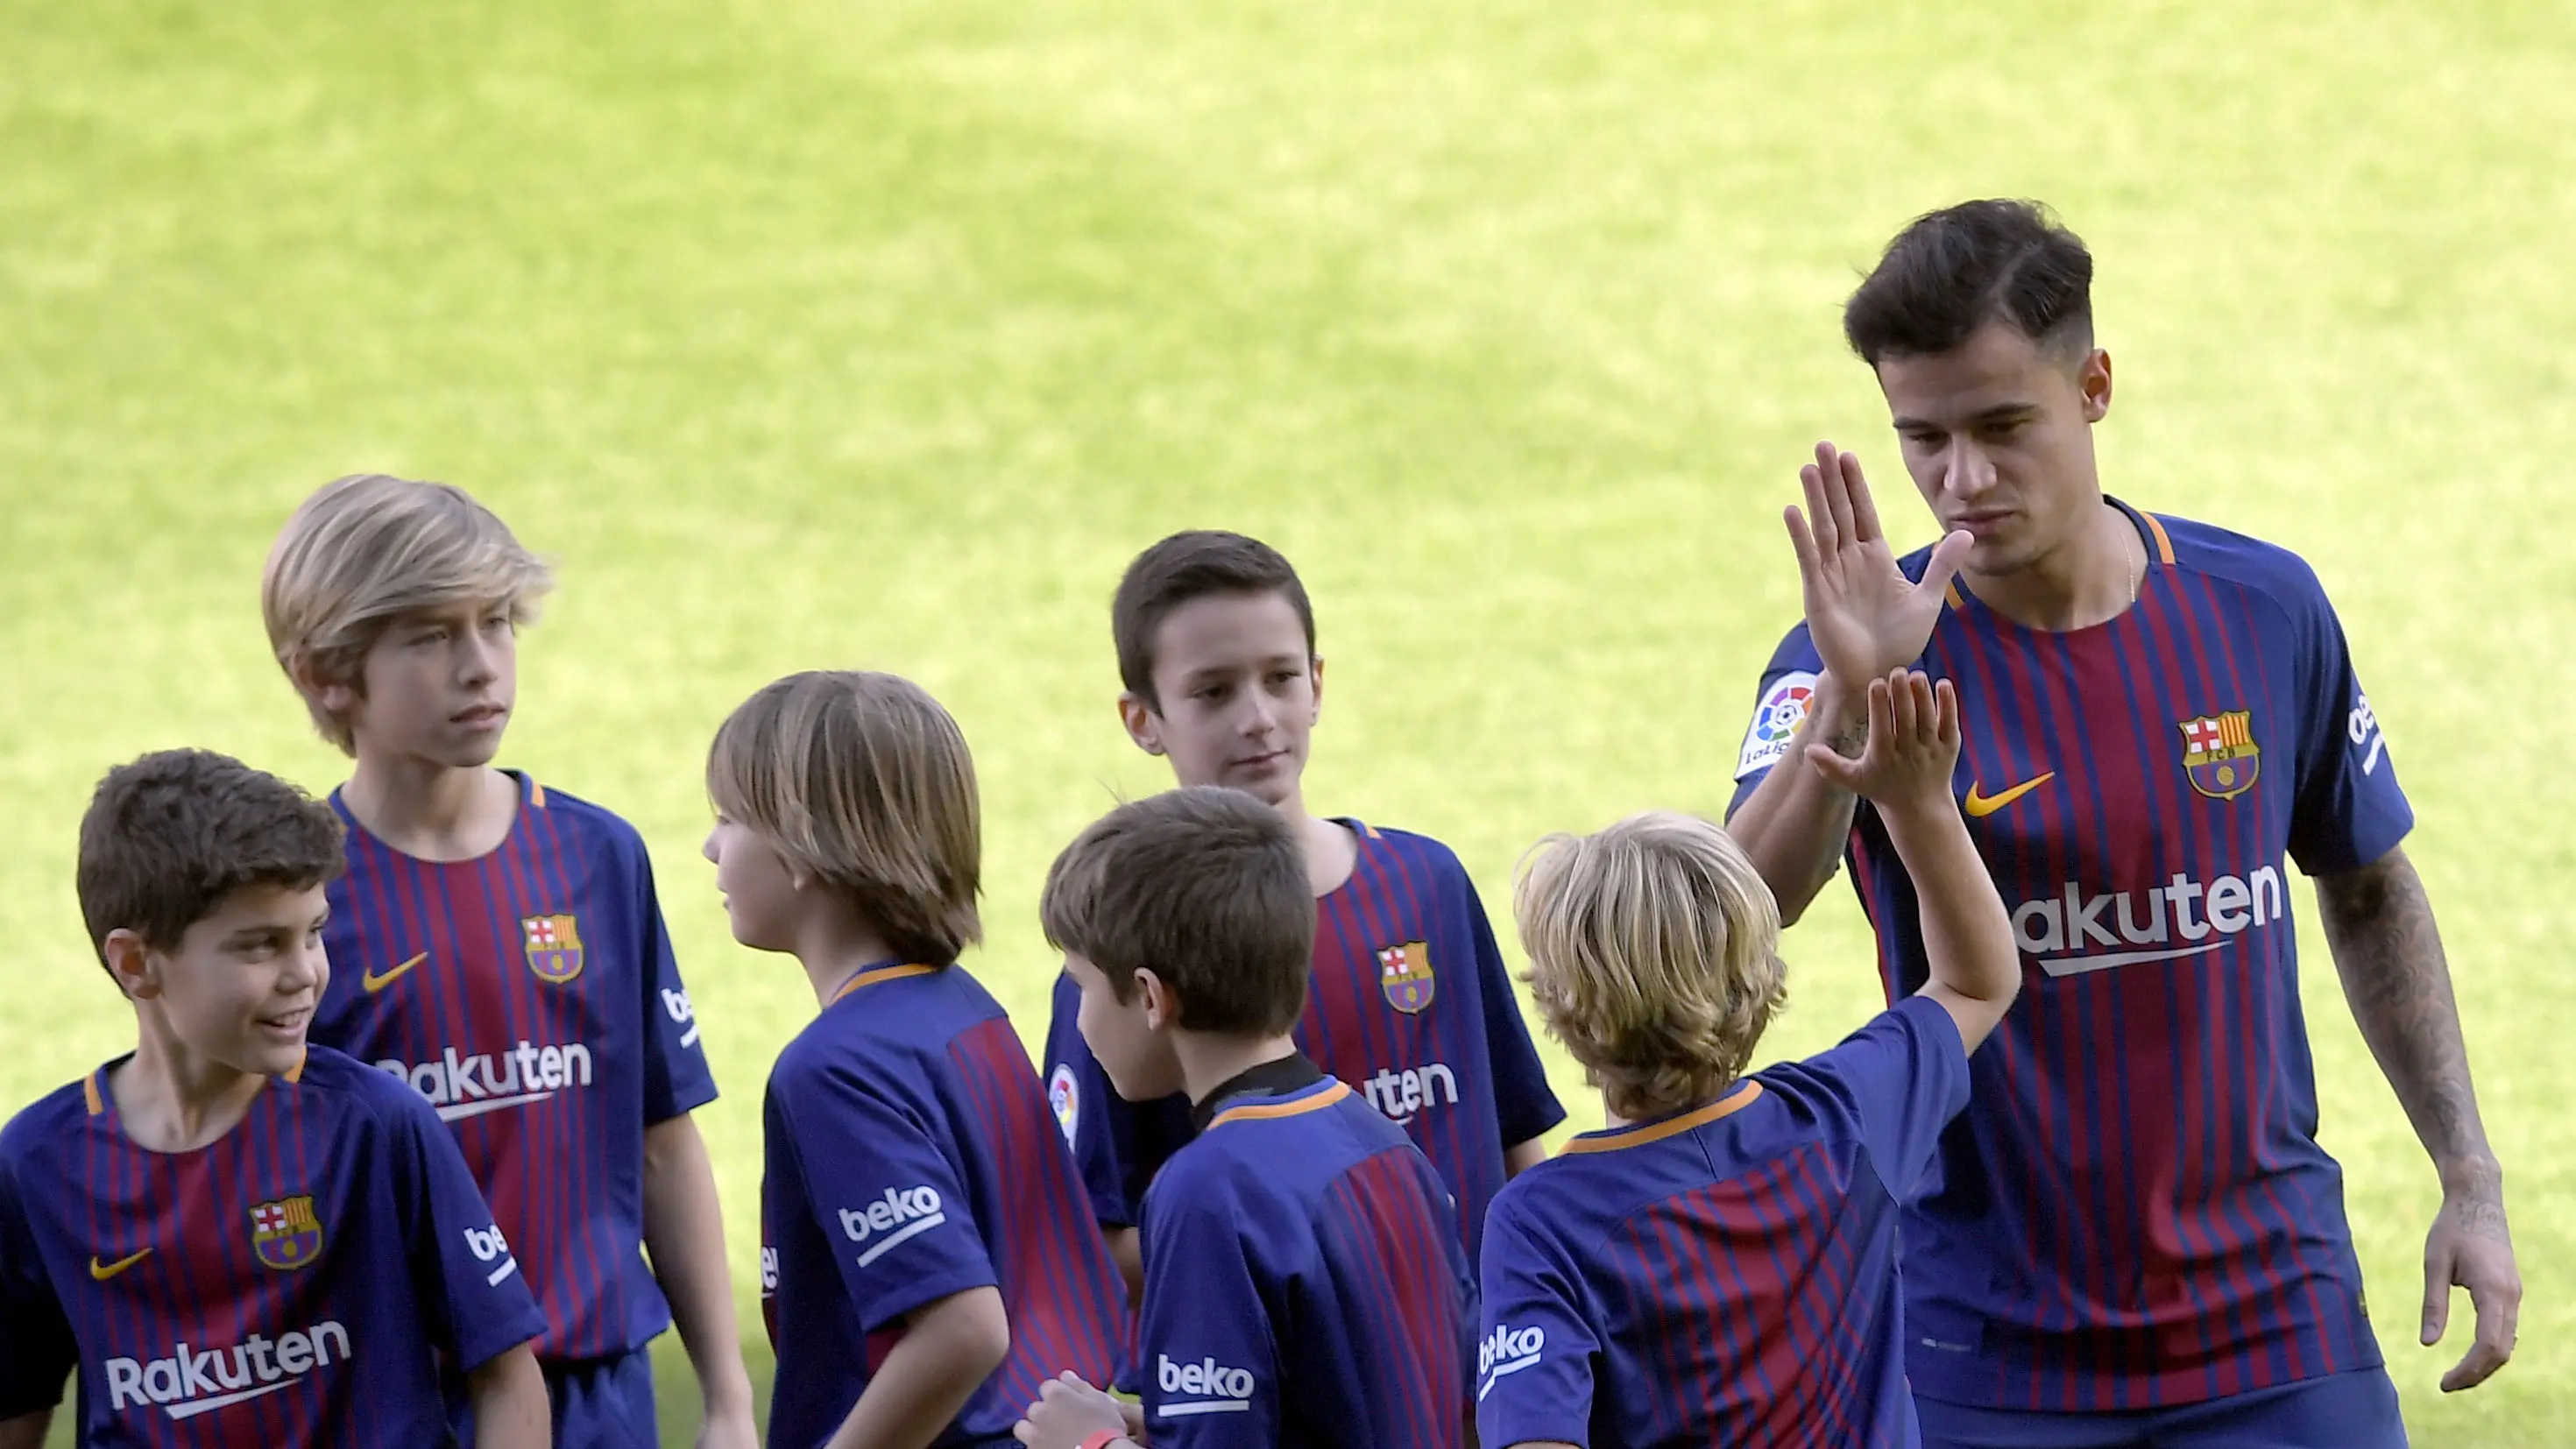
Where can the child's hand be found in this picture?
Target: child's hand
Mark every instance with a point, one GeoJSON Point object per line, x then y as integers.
{"type": "Point", "coordinates": [1913, 744]}
{"type": "Point", "coordinates": [1067, 1412]}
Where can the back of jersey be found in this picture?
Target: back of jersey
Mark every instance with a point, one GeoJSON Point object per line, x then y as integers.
{"type": "Point", "coordinates": [1728, 1275]}
{"type": "Point", "coordinates": [911, 1157]}
{"type": "Point", "coordinates": [1068, 1308]}
{"type": "Point", "coordinates": [1304, 1284]}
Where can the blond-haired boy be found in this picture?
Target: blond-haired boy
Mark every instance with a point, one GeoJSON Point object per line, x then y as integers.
{"type": "Point", "coordinates": [501, 947]}
{"type": "Point", "coordinates": [926, 1259]}
{"type": "Point", "coordinates": [1718, 1264]}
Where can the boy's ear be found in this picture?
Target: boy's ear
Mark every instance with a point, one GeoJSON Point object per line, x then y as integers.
{"type": "Point", "coordinates": [131, 962]}
{"type": "Point", "coordinates": [1143, 725]}
{"type": "Point", "coordinates": [1315, 689]}
{"type": "Point", "coordinates": [335, 696]}
{"type": "Point", "coordinates": [1161, 1009]}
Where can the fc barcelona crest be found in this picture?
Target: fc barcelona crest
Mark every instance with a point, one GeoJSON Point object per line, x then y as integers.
{"type": "Point", "coordinates": [285, 1233]}
{"type": "Point", "coordinates": [554, 947]}
{"type": "Point", "coordinates": [1404, 974]}
{"type": "Point", "coordinates": [2219, 753]}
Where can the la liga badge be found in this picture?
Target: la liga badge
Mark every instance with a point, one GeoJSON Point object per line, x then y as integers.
{"type": "Point", "coordinates": [1065, 1097]}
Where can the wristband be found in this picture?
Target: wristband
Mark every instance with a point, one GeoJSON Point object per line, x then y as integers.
{"type": "Point", "coordinates": [1102, 1439]}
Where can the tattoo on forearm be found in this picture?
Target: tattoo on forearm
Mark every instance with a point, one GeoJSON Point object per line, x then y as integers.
{"type": "Point", "coordinates": [2380, 926]}
{"type": "Point", "coordinates": [1851, 739]}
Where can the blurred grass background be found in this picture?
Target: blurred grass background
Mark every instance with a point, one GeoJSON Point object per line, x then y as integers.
{"type": "Point", "coordinates": [809, 333]}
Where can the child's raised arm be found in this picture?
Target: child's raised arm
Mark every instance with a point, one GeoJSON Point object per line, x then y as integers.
{"type": "Point", "coordinates": [1905, 772]}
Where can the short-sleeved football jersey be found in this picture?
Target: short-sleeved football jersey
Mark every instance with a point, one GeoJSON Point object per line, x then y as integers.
{"type": "Point", "coordinates": [531, 997]}
{"type": "Point", "coordinates": [296, 1282]}
{"type": "Point", "coordinates": [2134, 1212]}
{"type": "Point", "coordinates": [1409, 1002]}
{"type": "Point", "coordinates": [1304, 1285]}
{"type": "Point", "coordinates": [911, 1156]}
{"type": "Point", "coordinates": [1726, 1275]}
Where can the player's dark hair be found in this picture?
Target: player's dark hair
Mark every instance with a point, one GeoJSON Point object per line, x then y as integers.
{"type": "Point", "coordinates": [1189, 566]}
{"type": "Point", "coordinates": [1953, 271]}
{"type": "Point", "coordinates": [1206, 888]}
{"type": "Point", "coordinates": [172, 834]}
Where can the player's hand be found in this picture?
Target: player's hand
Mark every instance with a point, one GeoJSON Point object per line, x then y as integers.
{"type": "Point", "coordinates": [2471, 1247]}
{"type": "Point", "coordinates": [1864, 615]}
{"type": "Point", "coordinates": [1913, 745]}
{"type": "Point", "coordinates": [1067, 1412]}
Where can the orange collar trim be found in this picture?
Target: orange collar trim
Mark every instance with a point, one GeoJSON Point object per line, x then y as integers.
{"type": "Point", "coordinates": [94, 1086]}
{"type": "Point", "coordinates": [1294, 1107]}
{"type": "Point", "coordinates": [1726, 1106]}
{"type": "Point", "coordinates": [2164, 541]}
{"type": "Point", "coordinates": [876, 974]}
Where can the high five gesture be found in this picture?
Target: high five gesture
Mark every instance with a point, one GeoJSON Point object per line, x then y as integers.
{"type": "Point", "coordinates": [1865, 616]}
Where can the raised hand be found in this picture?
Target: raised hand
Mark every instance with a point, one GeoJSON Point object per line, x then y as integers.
{"type": "Point", "coordinates": [1865, 616]}
{"type": "Point", "coordinates": [1913, 745]}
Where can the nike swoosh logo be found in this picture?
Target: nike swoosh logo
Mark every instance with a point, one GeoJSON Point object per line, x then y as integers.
{"type": "Point", "coordinates": [1980, 804]}
{"type": "Point", "coordinates": [374, 982]}
{"type": "Point", "coordinates": [104, 1271]}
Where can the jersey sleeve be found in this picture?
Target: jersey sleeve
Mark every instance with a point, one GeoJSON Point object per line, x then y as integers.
{"type": "Point", "coordinates": [676, 1076]}
{"type": "Point", "coordinates": [1904, 1075]}
{"type": "Point", "coordinates": [475, 1302]}
{"type": "Point", "coordinates": [1535, 1350]}
{"type": "Point", "coordinates": [1779, 706]}
{"type": "Point", "coordinates": [1098, 1125]}
{"type": "Point", "coordinates": [37, 1350]}
{"type": "Point", "coordinates": [1209, 1365]}
{"type": "Point", "coordinates": [884, 1194]}
{"type": "Point", "coordinates": [2349, 810]}
{"type": "Point", "coordinates": [1524, 1105]}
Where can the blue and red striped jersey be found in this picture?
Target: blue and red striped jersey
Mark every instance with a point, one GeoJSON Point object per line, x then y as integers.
{"type": "Point", "coordinates": [296, 1282]}
{"type": "Point", "coordinates": [1409, 1002]}
{"type": "Point", "coordinates": [531, 997]}
{"type": "Point", "coordinates": [1726, 1275]}
{"type": "Point", "coordinates": [1304, 1287]}
{"type": "Point", "coordinates": [2135, 1211]}
{"type": "Point", "coordinates": [911, 1156]}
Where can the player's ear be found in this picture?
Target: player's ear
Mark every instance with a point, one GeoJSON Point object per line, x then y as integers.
{"type": "Point", "coordinates": [1315, 689]}
{"type": "Point", "coordinates": [131, 962]}
{"type": "Point", "coordinates": [2093, 384]}
{"type": "Point", "coordinates": [1144, 726]}
{"type": "Point", "coordinates": [1160, 1008]}
{"type": "Point", "coordinates": [334, 695]}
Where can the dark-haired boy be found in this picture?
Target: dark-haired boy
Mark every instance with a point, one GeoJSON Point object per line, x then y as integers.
{"type": "Point", "coordinates": [2137, 1237]}
{"type": "Point", "coordinates": [1304, 1284]}
{"type": "Point", "coordinates": [235, 1239]}
{"type": "Point", "coordinates": [1408, 999]}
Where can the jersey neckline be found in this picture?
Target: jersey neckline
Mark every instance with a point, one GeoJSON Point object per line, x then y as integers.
{"type": "Point", "coordinates": [1292, 1104]}
{"type": "Point", "coordinates": [101, 1103]}
{"type": "Point", "coordinates": [876, 975]}
{"type": "Point", "coordinates": [2151, 536]}
{"type": "Point", "coordinates": [532, 796]}
{"type": "Point", "coordinates": [1614, 1138]}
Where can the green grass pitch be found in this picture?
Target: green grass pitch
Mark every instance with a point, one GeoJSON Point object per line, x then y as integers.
{"type": "Point", "coordinates": [814, 332]}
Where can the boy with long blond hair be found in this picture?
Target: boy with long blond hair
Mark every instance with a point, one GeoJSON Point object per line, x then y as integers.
{"type": "Point", "coordinates": [926, 1258]}
{"type": "Point", "coordinates": [1717, 1264]}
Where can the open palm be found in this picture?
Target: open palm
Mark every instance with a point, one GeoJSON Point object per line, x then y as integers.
{"type": "Point", "coordinates": [1865, 615]}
